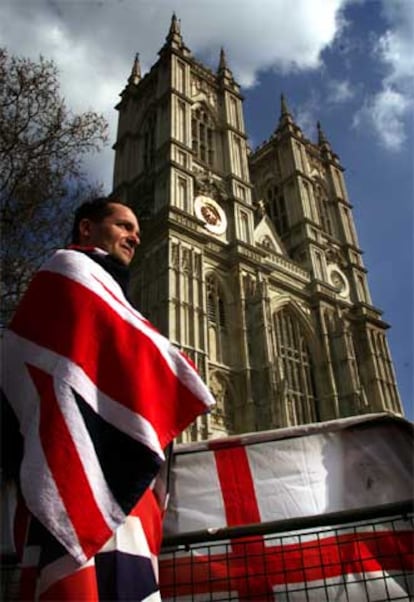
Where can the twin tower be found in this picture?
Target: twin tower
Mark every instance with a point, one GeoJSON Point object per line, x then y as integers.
{"type": "Point", "coordinates": [249, 261]}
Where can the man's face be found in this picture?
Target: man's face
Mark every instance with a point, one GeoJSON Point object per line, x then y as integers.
{"type": "Point", "coordinates": [117, 233]}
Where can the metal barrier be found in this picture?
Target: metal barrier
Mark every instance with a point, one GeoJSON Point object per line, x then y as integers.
{"type": "Point", "coordinates": [10, 577]}
{"type": "Point", "coordinates": [365, 555]}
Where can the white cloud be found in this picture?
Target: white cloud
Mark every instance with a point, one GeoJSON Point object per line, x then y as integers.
{"type": "Point", "coordinates": [307, 114]}
{"type": "Point", "coordinates": [306, 118]}
{"type": "Point", "coordinates": [94, 42]}
{"type": "Point", "coordinates": [264, 34]}
{"type": "Point", "coordinates": [387, 110]}
{"type": "Point", "coordinates": [385, 113]}
{"type": "Point", "coordinates": [340, 91]}
{"type": "Point", "coordinates": [396, 47]}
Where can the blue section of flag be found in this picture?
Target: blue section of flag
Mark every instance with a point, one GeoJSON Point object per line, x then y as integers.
{"type": "Point", "coordinates": [117, 454]}
{"type": "Point", "coordinates": [124, 576]}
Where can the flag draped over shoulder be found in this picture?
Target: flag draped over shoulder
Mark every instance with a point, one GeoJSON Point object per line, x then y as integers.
{"type": "Point", "coordinates": [98, 393]}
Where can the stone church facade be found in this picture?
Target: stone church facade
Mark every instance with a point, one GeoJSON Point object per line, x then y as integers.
{"type": "Point", "coordinates": [249, 261]}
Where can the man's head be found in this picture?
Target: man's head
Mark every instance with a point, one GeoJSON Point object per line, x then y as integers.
{"type": "Point", "coordinates": [108, 224]}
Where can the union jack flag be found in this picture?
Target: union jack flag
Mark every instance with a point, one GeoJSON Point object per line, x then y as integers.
{"type": "Point", "coordinates": [98, 393]}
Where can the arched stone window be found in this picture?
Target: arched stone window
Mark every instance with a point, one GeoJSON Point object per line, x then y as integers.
{"type": "Point", "coordinates": [203, 136]}
{"type": "Point", "coordinates": [324, 209]}
{"type": "Point", "coordinates": [297, 377]}
{"type": "Point", "coordinates": [222, 415]}
{"type": "Point", "coordinates": [277, 208]}
{"type": "Point", "coordinates": [149, 141]}
{"type": "Point", "coordinates": [216, 320]}
{"type": "Point", "coordinates": [215, 303]}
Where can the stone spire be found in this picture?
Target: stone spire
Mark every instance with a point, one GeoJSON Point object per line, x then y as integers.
{"type": "Point", "coordinates": [223, 60]}
{"type": "Point", "coordinates": [135, 76]}
{"type": "Point", "coordinates": [175, 26]}
{"type": "Point", "coordinates": [284, 111]}
{"type": "Point", "coordinates": [174, 37]}
{"type": "Point", "coordinates": [223, 70]}
{"type": "Point", "coordinates": [285, 119]}
{"type": "Point", "coordinates": [323, 142]}
{"type": "Point", "coordinates": [321, 136]}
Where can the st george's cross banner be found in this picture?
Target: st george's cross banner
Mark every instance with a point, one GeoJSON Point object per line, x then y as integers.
{"type": "Point", "coordinates": [308, 471]}
{"type": "Point", "coordinates": [97, 394]}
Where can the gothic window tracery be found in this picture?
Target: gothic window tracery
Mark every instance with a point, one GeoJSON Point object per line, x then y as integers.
{"type": "Point", "coordinates": [297, 377]}
{"type": "Point", "coordinates": [277, 208]}
{"type": "Point", "coordinates": [202, 131]}
{"type": "Point", "coordinates": [223, 413]}
{"type": "Point", "coordinates": [217, 320]}
{"type": "Point", "coordinates": [149, 141]}
{"type": "Point", "coordinates": [384, 369]}
{"type": "Point", "coordinates": [323, 209]}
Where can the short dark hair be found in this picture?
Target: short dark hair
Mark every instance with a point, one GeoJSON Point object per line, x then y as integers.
{"type": "Point", "coordinates": [96, 210]}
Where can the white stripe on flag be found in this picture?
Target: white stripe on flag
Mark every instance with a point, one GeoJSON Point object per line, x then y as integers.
{"type": "Point", "coordinates": [75, 268]}
{"type": "Point", "coordinates": [22, 351]}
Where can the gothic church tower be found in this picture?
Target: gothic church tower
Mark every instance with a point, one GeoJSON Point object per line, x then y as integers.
{"type": "Point", "coordinates": [248, 262]}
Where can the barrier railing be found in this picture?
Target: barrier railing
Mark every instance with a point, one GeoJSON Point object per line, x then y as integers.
{"type": "Point", "coordinates": [360, 556]}
{"type": "Point", "coordinates": [363, 555]}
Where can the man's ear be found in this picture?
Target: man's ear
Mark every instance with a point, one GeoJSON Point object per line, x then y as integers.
{"type": "Point", "coordinates": [85, 230]}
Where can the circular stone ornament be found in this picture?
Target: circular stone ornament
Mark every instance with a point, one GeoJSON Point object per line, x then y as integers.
{"type": "Point", "coordinates": [338, 280]}
{"type": "Point", "coordinates": [210, 212]}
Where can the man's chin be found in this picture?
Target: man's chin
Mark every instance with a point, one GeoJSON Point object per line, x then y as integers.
{"type": "Point", "coordinates": [126, 257]}
{"type": "Point", "coordinates": [122, 259]}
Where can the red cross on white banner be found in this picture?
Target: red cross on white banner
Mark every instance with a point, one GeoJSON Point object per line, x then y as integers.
{"type": "Point", "coordinates": [254, 569]}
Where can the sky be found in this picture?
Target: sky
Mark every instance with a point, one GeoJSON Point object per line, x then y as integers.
{"type": "Point", "coordinates": [347, 63]}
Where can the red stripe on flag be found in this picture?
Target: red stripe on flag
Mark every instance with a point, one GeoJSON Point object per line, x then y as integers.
{"type": "Point", "coordinates": [60, 452]}
{"type": "Point", "coordinates": [149, 512]}
{"type": "Point", "coordinates": [241, 507]}
{"type": "Point", "coordinates": [124, 362]}
{"type": "Point", "coordinates": [237, 486]}
{"type": "Point", "coordinates": [323, 558]}
{"type": "Point", "coordinates": [127, 307]}
{"type": "Point", "coordinates": [80, 586]}
{"type": "Point", "coordinates": [253, 569]}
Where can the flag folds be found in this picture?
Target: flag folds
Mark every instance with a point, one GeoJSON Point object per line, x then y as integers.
{"type": "Point", "coordinates": [98, 393]}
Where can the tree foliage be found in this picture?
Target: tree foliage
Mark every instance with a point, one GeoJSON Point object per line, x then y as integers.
{"type": "Point", "coordinates": [42, 147]}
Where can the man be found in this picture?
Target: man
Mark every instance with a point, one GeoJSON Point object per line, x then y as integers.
{"type": "Point", "coordinates": [109, 226]}
{"type": "Point", "coordinates": [98, 394]}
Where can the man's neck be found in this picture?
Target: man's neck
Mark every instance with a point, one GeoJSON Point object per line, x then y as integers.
{"type": "Point", "coordinates": [113, 266]}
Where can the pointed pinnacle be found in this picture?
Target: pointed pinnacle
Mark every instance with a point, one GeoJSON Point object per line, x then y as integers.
{"type": "Point", "coordinates": [175, 25]}
{"type": "Point", "coordinates": [223, 60]}
{"type": "Point", "coordinates": [321, 136]}
{"type": "Point", "coordinates": [135, 76]}
{"type": "Point", "coordinates": [224, 70]}
{"type": "Point", "coordinates": [283, 106]}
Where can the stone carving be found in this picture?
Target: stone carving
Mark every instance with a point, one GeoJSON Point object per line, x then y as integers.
{"type": "Point", "coordinates": [206, 184]}
{"type": "Point", "coordinates": [186, 261]}
{"type": "Point", "coordinates": [335, 255]}
{"type": "Point", "coordinates": [200, 87]}
{"type": "Point", "coordinates": [250, 285]}
{"type": "Point", "coordinates": [174, 256]}
{"type": "Point", "coordinates": [210, 214]}
{"type": "Point", "coordinates": [267, 243]}
{"type": "Point", "coordinates": [218, 390]}
{"type": "Point", "coordinates": [260, 207]}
